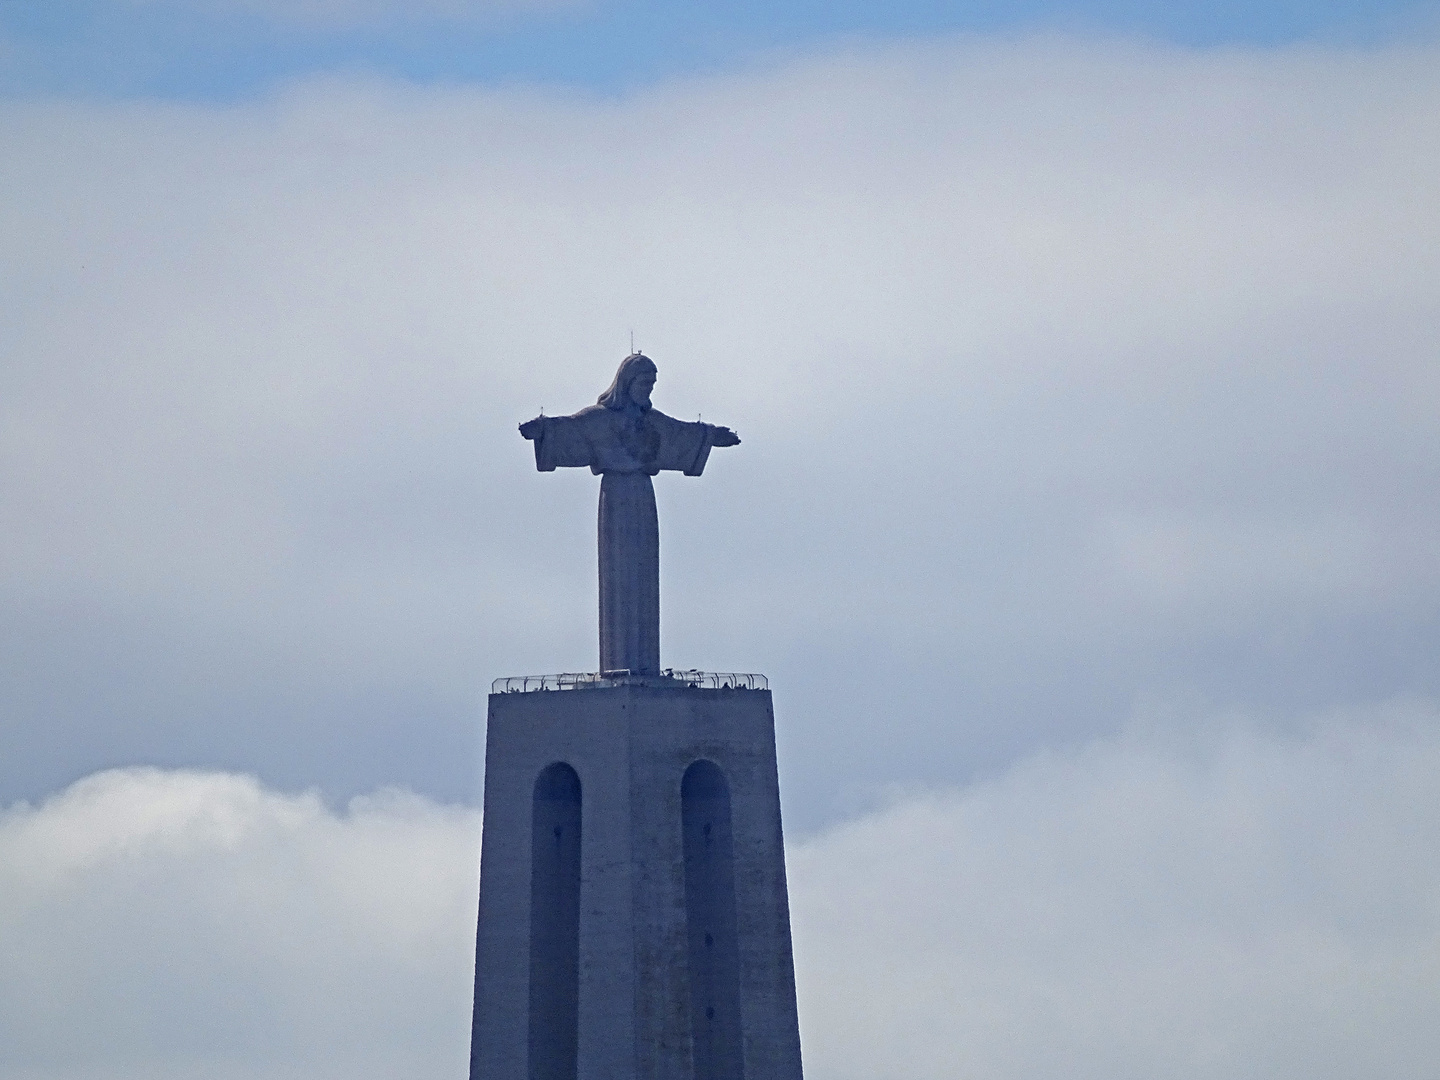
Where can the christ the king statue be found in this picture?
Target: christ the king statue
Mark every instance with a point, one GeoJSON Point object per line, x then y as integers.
{"type": "Point", "coordinates": [626, 441]}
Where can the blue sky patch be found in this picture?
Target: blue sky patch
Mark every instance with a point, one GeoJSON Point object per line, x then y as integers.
{"type": "Point", "coordinates": [231, 49]}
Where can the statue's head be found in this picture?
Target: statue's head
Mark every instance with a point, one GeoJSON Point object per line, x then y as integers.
{"type": "Point", "coordinates": [630, 392]}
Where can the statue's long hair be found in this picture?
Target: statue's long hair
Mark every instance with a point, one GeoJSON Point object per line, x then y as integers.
{"type": "Point", "coordinates": [617, 397]}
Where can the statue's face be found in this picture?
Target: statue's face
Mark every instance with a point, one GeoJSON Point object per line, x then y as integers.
{"type": "Point", "coordinates": [641, 385]}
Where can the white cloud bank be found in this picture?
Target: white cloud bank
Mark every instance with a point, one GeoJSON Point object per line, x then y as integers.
{"type": "Point", "coordinates": [163, 925]}
{"type": "Point", "coordinates": [1234, 904]}
{"type": "Point", "coordinates": [1244, 906]}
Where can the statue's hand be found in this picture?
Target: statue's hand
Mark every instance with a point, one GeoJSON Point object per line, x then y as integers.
{"type": "Point", "coordinates": [531, 429]}
{"type": "Point", "coordinates": [723, 436]}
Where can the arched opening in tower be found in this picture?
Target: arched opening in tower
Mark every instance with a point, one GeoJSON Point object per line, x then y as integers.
{"type": "Point", "coordinates": [710, 918]}
{"type": "Point", "coordinates": [555, 923]}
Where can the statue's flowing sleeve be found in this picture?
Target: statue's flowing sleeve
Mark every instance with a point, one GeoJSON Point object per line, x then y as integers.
{"type": "Point", "coordinates": [684, 447]}
{"type": "Point", "coordinates": [560, 441]}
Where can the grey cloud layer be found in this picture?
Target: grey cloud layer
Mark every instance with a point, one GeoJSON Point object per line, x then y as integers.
{"type": "Point", "coordinates": [1073, 377]}
{"type": "Point", "coordinates": [1233, 903]}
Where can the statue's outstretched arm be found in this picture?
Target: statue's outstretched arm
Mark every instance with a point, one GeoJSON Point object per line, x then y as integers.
{"type": "Point", "coordinates": [685, 444]}
{"type": "Point", "coordinates": [559, 441]}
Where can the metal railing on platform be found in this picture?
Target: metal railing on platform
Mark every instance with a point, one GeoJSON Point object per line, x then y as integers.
{"type": "Point", "coordinates": [670, 677]}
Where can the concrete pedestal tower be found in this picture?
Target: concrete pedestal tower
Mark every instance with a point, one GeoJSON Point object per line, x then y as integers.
{"type": "Point", "coordinates": [634, 920]}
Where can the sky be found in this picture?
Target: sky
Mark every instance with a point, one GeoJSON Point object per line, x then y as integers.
{"type": "Point", "coordinates": [229, 50]}
{"type": "Point", "coordinates": [1084, 523]}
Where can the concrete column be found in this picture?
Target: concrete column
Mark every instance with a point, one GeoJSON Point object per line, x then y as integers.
{"type": "Point", "coordinates": [629, 542]}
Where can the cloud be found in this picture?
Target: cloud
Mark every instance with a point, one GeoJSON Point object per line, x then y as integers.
{"type": "Point", "coordinates": [1073, 376]}
{"type": "Point", "coordinates": [170, 923]}
{"type": "Point", "coordinates": [1237, 904]}
{"type": "Point", "coordinates": [1163, 903]}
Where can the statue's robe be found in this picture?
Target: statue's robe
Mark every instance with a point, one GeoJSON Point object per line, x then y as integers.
{"type": "Point", "coordinates": [626, 450]}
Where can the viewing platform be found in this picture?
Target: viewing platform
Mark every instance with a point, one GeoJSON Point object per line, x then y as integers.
{"type": "Point", "coordinates": [592, 680]}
